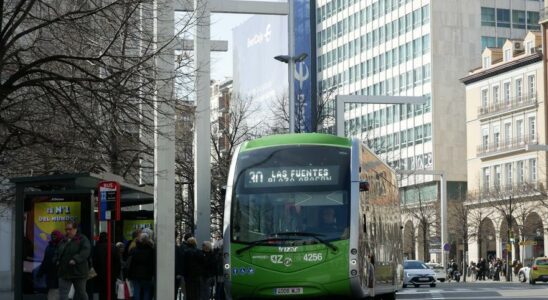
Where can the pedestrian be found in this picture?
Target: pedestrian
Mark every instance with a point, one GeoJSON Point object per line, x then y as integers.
{"type": "Point", "coordinates": [180, 251]}
{"type": "Point", "coordinates": [141, 268]}
{"type": "Point", "coordinates": [207, 279]}
{"type": "Point", "coordinates": [48, 266]}
{"type": "Point", "coordinates": [120, 248]}
{"type": "Point", "coordinates": [193, 270]}
{"type": "Point", "coordinates": [73, 263]}
{"type": "Point", "coordinates": [132, 243]}
{"type": "Point", "coordinates": [219, 276]}
{"type": "Point", "coordinates": [100, 262]}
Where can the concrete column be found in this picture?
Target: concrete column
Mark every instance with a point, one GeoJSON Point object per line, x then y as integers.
{"type": "Point", "coordinates": [202, 132]}
{"type": "Point", "coordinates": [473, 251]}
{"type": "Point", "coordinates": [545, 241]}
{"type": "Point", "coordinates": [164, 149]}
{"type": "Point", "coordinates": [499, 246]}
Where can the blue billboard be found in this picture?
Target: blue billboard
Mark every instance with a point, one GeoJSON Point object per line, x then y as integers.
{"type": "Point", "coordinates": [305, 71]}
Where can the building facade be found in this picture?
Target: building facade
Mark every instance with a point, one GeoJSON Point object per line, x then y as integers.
{"type": "Point", "coordinates": [505, 120]}
{"type": "Point", "coordinates": [412, 48]}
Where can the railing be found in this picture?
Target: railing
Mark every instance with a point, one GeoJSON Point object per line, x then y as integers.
{"type": "Point", "coordinates": [501, 192]}
{"type": "Point", "coordinates": [514, 103]}
{"type": "Point", "coordinates": [506, 145]}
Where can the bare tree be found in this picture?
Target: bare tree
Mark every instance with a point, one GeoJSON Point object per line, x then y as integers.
{"type": "Point", "coordinates": [424, 212]}
{"type": "Point", "coordinates": [511, 202]}
{"type": "Point", "coordinates": [184, 168]}
{"type": "Point", "coordinates": [77, 81]}
{"type": "Point", "coordinates": [234, 126]}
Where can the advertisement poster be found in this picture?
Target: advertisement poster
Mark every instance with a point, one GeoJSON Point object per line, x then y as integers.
{"type": "Point", "coordinates": [49, 216]}
{"type": "Point", "coordinates": [131, 225]}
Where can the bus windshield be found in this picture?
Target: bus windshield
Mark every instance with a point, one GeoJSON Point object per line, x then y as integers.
{"type": "Point", "coordinates": [297, 192]}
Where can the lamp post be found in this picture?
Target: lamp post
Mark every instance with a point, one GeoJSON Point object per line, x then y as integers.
{"type": "Point", "coordinates": [291, 61]}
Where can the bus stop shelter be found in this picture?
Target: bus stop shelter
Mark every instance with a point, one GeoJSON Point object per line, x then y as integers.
{"type": "Point", "coordinates": [45, 203]}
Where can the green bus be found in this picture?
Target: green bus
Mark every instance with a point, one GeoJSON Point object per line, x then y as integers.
{"type": "Point", "coordinates": [311, 215]}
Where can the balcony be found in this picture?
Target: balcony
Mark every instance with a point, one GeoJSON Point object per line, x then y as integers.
{"type": "Point", "coordinates": [515, 104]}
{"type": "Point", "coordinates": [502, 192]}
{"type": "Point", "coordinates": [506, 146]}
{"type": "Point", "coordinates": [543, 15]}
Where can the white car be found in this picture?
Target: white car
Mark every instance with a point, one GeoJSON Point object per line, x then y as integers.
{"type": "Point", "coordinates": [439, 270]}
{"type": "Point", "coordinates": [523, 274]}
{"type": "Point", "coordinates": [417, 273]}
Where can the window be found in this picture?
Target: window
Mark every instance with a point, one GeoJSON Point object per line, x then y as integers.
{"type": "Point", "coordinates": [518, 88]}
{"type": "Point", "coordinates": [485, 138]}
{"type": "Point", "coordinates": [519, 131]}
{"type": "Point", "coordinates": [427, 132]}
{"type": "Point", "coordinates": [507, 133]}
{"type": "Point", "coordinates": [508, 174]}
{"type": "Point", "coordinates": [496, 136]}
{"type": "Point", "coordinates": [486, 174]}
{"type": "Point", "coordinates": [497, 177]}
{"type": "Point", "coordinates": [532, 170]}
{"type": "Point", "coordinates": [503, 17]}
{"type": "Point", "coordinates": [488, 41]}
{"type": "Point", "coordinates": [533, 20]}
{"type": "Point", "coordinates": [519, 171]}
{"type": "Point", "coordinates": [532, 127]}
{"type": "Point", "coordinates": [518, 19]}
{"type": "Point", "coordinates": [495, 95]}
{"type": "Point", "coordinates": [531, 84]}
{"type": "Point", "coordinates": [507, 54]}
{"type": "Point", "coordinates": [530, 46]}
{"type": "Point", "coordinates": [487, 16]}
{"type": "Point", "coordinates": [507, 93]}
{"type": "Point", "coordinates": [486, 62]}
{"type": "Point", "coordinates": [484, 98]}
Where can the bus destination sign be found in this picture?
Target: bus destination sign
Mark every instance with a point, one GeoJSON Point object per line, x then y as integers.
{"type": "Point", "coordinates": [291, 176]}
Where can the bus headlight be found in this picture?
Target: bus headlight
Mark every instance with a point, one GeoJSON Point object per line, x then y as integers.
{"type": "Point", "coordinates": [227, 267]}
{"type": "Point", "coordinates": [353, 262]}
{"type": "Point", "coordinates": [354, 251]}
{"type": "Point", "coordinates": [353, 272]}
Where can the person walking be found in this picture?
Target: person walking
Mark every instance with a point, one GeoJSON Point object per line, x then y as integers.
{"type": "Point", "coordinates": [48, 267]}
{"type": "Point", "coordinates": [207, 279]}
{"type": "Point", "coordinates": [193, 260]}
{"type": "Point", "coordinates": [141, 268]}
{"type": "Point", "coordinates": [100, 262]}
{"type": "Point", "coordinates": [73, 263]}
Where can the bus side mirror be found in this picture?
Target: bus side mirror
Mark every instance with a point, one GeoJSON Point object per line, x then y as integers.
{"type": "Point", "coordinates": [364, 186]}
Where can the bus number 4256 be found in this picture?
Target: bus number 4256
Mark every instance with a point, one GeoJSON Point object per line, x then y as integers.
{"type": "Point", "coordinates": [313, 257]}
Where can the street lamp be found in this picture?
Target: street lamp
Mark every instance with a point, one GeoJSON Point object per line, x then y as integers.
{"type": "Point", "coordinates": [291, 61]}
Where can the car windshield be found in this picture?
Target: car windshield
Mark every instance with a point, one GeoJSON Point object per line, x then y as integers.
{"type": "Point", "coordinates": [542, 262]}
{"type": "Point", "coordinates": [414, 265]}
{"type": "Point", "coordinates": [302, 190]}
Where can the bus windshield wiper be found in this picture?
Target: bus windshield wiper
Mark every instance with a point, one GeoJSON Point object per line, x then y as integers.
{"type": "Point", "coordinates": [262, 242]}
{"type": "Point", "coordinates": [310, 234]}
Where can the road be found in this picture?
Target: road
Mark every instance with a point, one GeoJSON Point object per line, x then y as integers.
{"type": "Point", "coordinates": [477, 290]}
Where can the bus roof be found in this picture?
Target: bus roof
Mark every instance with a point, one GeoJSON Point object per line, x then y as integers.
{"type": "Point", "coordinates": [296, 139]}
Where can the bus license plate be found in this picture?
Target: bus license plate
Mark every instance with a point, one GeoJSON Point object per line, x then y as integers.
{"type": "Point", "coordinates": [289, 291]}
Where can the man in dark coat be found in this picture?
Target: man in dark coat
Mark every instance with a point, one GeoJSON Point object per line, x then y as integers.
{"type": "Point", "coordinates": [73, 254]}
{"type": "Point", "coordinates": [100, 262]}
{"type": "Point", "coordinates": [49, 267]}
{"type": "Point", "coordinates": [141, 268]}
{"type": "Point", "coordinates": [193, 261]}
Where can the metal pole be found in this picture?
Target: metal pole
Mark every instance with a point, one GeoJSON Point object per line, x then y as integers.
{"type": "Point", "coordinates": [202, 140]}
{"type": "Point", "coordinates": [164, 149]}
{"type": "Point", "coordinates": [443, 213]}
{"type": "Point", "coordinates": [291, 65]}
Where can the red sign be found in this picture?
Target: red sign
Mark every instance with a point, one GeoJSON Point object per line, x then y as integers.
{"type": "Point", "coordinates": [109, 191]}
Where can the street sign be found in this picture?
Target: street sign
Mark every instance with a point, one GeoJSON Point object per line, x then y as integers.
{"type": "Point", "coordinates": [509, 247]}
{"type": "Point", "coordinates": [435, 250]}
{"type": "Point", "coordinates": [109, 191]}
{"type": "Point", "coordinates": [446, 247]}
{"type": "Point", "coordinates": [528, 243]}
